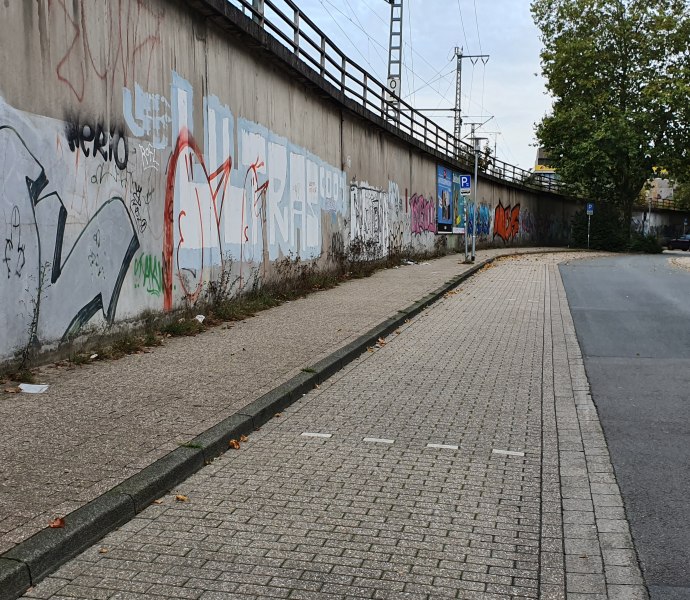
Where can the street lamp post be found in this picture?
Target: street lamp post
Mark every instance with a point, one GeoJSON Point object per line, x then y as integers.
{"type": "Point", "coordinates": [649, 216]}
{"type": "Point", "coordinates": [477, 147]}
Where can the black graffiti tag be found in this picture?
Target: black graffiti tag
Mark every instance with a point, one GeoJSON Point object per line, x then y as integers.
{"type": "Point", "coordinates": [96, 139]}
{"type": "Point", "coordinates": [13, 245]}
{"type": "Point", "coordinates": [135, 207]}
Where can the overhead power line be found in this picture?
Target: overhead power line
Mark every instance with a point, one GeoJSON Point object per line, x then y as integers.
{"type": "Point", "coordinates": [476, 22]}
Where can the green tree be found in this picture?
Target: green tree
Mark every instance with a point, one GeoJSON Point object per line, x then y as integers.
{"type": "Point", "coordinates": [619, 74]}
{"type": "Point", "coordinates": [681, 196]}
{"type": "Point", "coordinates": [486, 159]}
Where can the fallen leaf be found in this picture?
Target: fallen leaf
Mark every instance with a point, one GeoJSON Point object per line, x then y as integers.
{"type": "Point", "coordinates": [317, 386]}
{"type": "Point", "coordinates": [407, 320]}
{"type": "Point", "coordinates": [397, 331]}
{"type": "Point", "coordinates": [13, 390]}
{"type": "Point", "coordinates": [244, 438]}
{"type": "Point", "coordinates": [381, 341]}
{"type": "Point", "coordinates": [370, 349]}
{"type": "Point", "coordinates": [278, 415]}
{"type": "Point", "coordinates": [234, 444]}
{"type": "Point", "coordinates": [181, 498]}
{"type": "Point", "coordinates": [103, 551]}
{"type": "Point", "coordinates": [58, 523]}
{"type": "Point", "coordinates": [158, 501]}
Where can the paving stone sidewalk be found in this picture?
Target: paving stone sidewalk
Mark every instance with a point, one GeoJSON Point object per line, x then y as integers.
{"type": "Point", "coordinates": [462, 459]}
{"type": "Point", "coordinates": [101, 423]}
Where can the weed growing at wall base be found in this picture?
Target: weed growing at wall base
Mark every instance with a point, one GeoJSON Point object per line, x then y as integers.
{"type": "Point", "coordinates": [222, 301]}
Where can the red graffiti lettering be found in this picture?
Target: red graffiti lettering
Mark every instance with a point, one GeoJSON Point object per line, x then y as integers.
{"type": "Point", "coordinates": [132, 31]}
{"type": "Point", "coordinates": [507, 222]}
{"type": "Point", "coordinates": [188, 151]}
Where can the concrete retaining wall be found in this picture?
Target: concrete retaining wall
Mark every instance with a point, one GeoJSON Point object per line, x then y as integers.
{"type": "Point", "coordinates": [144, 153]}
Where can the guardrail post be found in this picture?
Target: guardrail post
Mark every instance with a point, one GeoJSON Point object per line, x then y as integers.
{"type": "Point", "coordinates": [343, 70]}
{"type": "Point", "coordinates": [295, 24]}
{"type": "Point", "coordinates": [365, 84]}
{"type": "Point", "coordinates": [323, 55]}
{"type": "Point", "coordinates": [390, 110]}
{"type": "Point", "coordinates": [258, 6]}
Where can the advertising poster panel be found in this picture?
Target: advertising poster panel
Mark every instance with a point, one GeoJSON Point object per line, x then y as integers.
{"type": "Point", "coordinates": [444, 200]}
{"type": "Point", "coordinates": [458, 206]}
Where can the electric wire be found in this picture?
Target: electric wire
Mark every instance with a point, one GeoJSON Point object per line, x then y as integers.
{"type": "Point", "coordinates": [354, 14]}
{"type": "Point", "coordinates": [436, 70]}
{"type": "Point", "coordinates": [377, 43]}
{"type": "Point", "coordinates": [439, 74]}
{"type": "Point", "coordinates": [432, 81]}
{"type": "Point", "coordinates": [347, 37]}
{"type": "Point", "coordinates": [409, 26]}
{"type": "Point", "coordinates": [476, 22]}
{"type": "Point", "coordinates": [462, 24]}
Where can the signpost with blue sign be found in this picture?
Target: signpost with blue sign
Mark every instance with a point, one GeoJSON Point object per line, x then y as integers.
{"type": "Point", "coordinates": [458, 204]}
{"type": "Point", "coordinates": [590, 212]}
{"type": "Point", "coordinates": [465, 185]}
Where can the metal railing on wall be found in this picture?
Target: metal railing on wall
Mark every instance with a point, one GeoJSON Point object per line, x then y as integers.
{"type": "Point", "coordinates": [286, 22]}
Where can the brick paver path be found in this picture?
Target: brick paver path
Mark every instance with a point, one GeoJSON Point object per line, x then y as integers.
{"type": "Point", "coordinates": [101, 423]}
{"type": "Point", "coordinates": [463, 459]}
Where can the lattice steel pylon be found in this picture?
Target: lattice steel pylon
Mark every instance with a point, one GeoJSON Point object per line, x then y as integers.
{"type": "Point", "coordinates": [458, 97]}
{"type": "Point", "coordinates": [395, 47]}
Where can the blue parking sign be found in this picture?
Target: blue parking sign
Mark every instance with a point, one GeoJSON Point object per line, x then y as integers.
{"type": "Point", "coordinates": [465, 184]}
{"type": "Point", "coordinates": [590, 208]}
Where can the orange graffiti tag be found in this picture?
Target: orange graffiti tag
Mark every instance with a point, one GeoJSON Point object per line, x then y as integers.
{"type": "Point", "coordinates": [507, 222]}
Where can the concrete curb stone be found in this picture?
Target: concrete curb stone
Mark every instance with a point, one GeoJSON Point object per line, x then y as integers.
{"type": "Point", "coordinates": [45, 551]}
{"type": "Point", "coordinates": [33, 559]}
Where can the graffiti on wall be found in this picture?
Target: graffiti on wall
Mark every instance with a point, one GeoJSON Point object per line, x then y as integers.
{"type": "Point", "coordinates": [381, 221]}
{"type": "Point", "coordinates": [56, 285]}
{"type": "Point", "coordinates": [249, 209]}
{"type": "Point", "coordinates": [507, 222]}
{"type": "Point", "coordinates": [192, 226]}
{"type": "Point", "coordinates": [369, 216]}
{"type": "Point", "coordinates": [396, 219]}
{"type": "Point", "coordinates": [118, 41]}
{"type": "Point", "coordinates": [482, 216]}
{"type": "Point", "coordinates": [147, 115]}
{"type": "Point", "coordinates": [96, 140]}
{"type": "Point", "coordinates": [148, 274]}
{"type": "Point", "coordinates": [423, 215]}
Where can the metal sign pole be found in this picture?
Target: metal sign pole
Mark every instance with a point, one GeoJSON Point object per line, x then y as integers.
{"type": "Point", "coordinates": [466, 229]}
{"type": "Point", "coordinates": [474, 195]}
{"type": "Point", "coordinates": [589, 221]}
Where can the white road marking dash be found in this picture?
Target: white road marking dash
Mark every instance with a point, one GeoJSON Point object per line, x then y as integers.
{"type": "Point", "coordinates": [443, 446]}
{"type": "Point", "coordinates": [507, 452]}
{"type": "Point", "coordinates": [316, 435]}
{"type": "Point", "coordinates": [378, 440]}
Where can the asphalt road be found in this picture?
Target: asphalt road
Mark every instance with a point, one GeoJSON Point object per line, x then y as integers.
{"type": "Point", "coordinates": [632, 317]}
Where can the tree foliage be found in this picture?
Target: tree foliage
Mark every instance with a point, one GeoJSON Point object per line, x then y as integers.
{"type": "Point", "coordinates": [681, 196]}
{"type": "Point", "coordinates": [485, 160]}
{"type": "Point", "coordinates": [619, 74]}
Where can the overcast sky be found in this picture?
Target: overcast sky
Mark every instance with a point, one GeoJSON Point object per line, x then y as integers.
{"type": "Point", "coordinates": [506, 88]}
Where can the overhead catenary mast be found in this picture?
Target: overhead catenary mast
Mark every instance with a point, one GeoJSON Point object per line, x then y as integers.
{"type": "Point", "coordinates": [395, 46]}
{"type": "Point", "coordinates": [457, 131]}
